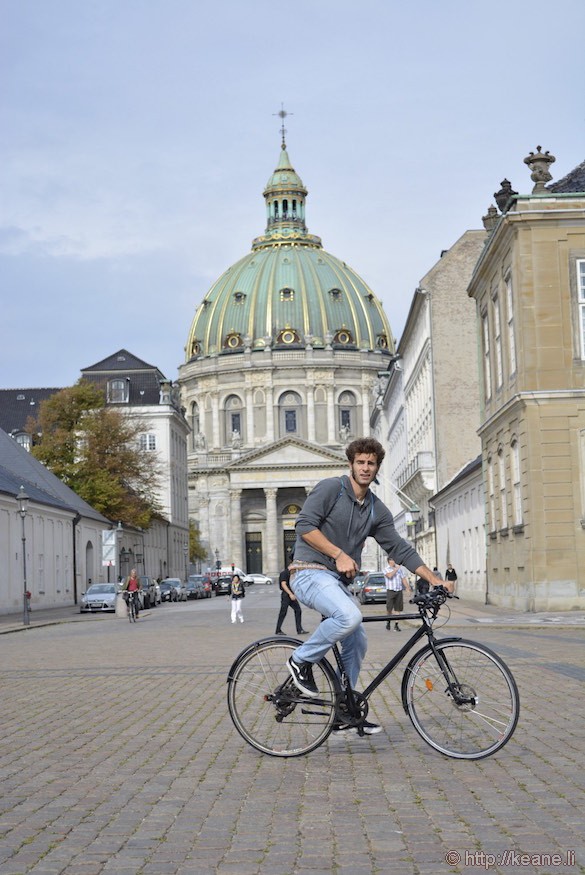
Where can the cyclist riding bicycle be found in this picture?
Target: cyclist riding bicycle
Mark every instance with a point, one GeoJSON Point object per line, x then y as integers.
{"type": "Point", "coordinates": [337, 517]}
{"type": "Point", "coordinates": [131, 589]}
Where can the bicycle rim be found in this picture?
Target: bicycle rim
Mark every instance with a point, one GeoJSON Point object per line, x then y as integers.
{"type": "Point", "coordinates": [471, 729]}
{"type": "Point", "coordinates": [286, 724]}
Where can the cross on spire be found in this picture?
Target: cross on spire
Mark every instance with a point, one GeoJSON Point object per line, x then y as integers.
{"type": "Point", "coordinates": [283, 114]}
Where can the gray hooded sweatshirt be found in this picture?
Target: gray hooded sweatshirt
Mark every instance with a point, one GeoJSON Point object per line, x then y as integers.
{"type": "Point", "coordinates": [333, 508]}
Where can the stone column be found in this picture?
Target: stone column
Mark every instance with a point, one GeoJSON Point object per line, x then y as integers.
{"type": "Point", "coordinates": [311, 414]}
{"type": "Point", "coordinates": [236, 550]}
{"type": "Point", "coordinates": [331, 436]}
{"type": "Point", "coordinates": [249, 441]}
{"type": "Point", "coordinates": [203, 520]}
{"type": "Point", "coordinates": [215, 420]}
{"type": "Point", "coordinates": [269, 414]}
{"type": "Point", "coordinates": [270, 563]}
{"type": "Point", "coordinates": [365, 413]}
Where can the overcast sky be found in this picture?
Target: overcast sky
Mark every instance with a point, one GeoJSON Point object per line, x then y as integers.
{"type": "Point", "coordinates": [136, 138]}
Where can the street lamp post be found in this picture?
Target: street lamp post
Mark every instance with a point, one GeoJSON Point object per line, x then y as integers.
{"type": "Point", "coordinates": [23, 500]}
{"type": "Point", "coordinates": [217, 562]}
{"type": "Point", "coordinates": [186, 552]}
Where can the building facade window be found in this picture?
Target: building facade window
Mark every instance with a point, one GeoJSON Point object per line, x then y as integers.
{"type": "Point", "coordinates": [118, 391]}
{"type": "Point", "coordinates": [498, 342]}
{"type": "Point", "coordinates": [290, 407]}
{"type": "Point", "coordinates": [147, 442]}
{"type": "Point", "coordinates": [487, 374]}
{"type": "Point", "coordinates": [581, 302]}
{"type": "Point", "coordinates": [233, 421]}
{"type": "Point", "coordinates": [503, 495]}
{"type": "Point", "coordinates": [510, 325]}
{"type": "Point", "coordinates": [516, 485]}
{"type": "Point", "coordinates": [491, 495]}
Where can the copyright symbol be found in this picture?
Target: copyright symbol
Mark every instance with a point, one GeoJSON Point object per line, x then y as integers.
{"type": "Point", "coordinates": [453, 857]}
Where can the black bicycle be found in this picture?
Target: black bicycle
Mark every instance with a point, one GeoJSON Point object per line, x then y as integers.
{"type": "Point", "coordinates": [460, 696]}
{"type": "Point", "coordinates": [131, 599]}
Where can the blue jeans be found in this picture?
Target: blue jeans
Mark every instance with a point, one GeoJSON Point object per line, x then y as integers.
{"type": "Point", "coordinates": [323, 591]}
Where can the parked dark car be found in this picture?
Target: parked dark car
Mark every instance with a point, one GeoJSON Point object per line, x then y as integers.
{"type": "Point", "coordinates": [168, 593]}
{"type": "Point", "coordinates": [222, 585]}
{"type": "Point", "coordinates": [195, 589]}
{"type": "Point", "coordinates": [203, 582]}
{"type": "Point", "coordinates": [374, 588]}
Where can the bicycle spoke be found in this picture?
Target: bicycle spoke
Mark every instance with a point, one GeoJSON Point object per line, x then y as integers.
{"type": "Point", "coordinates": [269, 712]}
{"type": "Point", "coordinates": [473, 713]}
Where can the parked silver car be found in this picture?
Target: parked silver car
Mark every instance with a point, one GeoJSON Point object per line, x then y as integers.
{"type": "Point", "coordinates": [179, 586]}
{"type": "Point", "coordinates": [150, 592]}
{"type": "Point", "coordinates": [99, 597]}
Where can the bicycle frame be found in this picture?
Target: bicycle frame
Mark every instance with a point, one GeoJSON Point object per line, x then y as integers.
{"type": "Point", "coordinates": [425, 630]}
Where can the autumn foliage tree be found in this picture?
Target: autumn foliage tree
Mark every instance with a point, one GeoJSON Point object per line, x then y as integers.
{"type": "Point", "coordinates": [95, 450]}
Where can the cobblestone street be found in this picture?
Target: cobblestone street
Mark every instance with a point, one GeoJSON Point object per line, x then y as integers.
{"type": "Point", "coordinates": [118, 756]}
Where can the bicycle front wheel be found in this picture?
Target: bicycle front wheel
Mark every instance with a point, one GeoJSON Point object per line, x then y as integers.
{"type": "Point", "coordinates": [463, 701]}
{"type": "Point", "coordinates": [267, 709]}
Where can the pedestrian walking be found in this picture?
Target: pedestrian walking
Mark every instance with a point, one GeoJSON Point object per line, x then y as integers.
{"type": "Point", "coordinates": [395, 586]}
{"type": "Point", "coordinates": [237, 593]}
{"type": "Point", "coordinates": [451, 576]}
{"type": "Point", "coordinates": [288, 600]}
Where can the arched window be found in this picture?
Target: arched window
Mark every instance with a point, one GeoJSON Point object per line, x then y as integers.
{"type": "Point", "coordinates": [346, 406]}
{"type": "Point", "coordinates": [290, 418]}
{"type": "Point", "coordinates": [118, 391]}
{"type": "Point", "coordinates": [233, 420]}
{"type": "Point", "coordinates": [195, 425]}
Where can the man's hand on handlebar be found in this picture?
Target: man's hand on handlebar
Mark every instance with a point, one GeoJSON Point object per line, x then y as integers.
{"type": "Point", "coordinates": [346, 565]}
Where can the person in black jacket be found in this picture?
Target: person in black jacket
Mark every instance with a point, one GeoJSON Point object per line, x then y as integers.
{"type": "Point", "coordinates": [288, 600]}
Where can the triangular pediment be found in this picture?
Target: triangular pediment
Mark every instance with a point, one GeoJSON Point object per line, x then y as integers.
{"type": "Point", "coordinates": [290, 453]}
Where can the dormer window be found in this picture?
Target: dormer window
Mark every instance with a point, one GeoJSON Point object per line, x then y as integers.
{"type": "Point", "coordinates": [382, 341]}
{"type": "Point", "coordinates": [335, 294]}
{"type": "Point", "coordinates": [343, 337]}
{"type": "Point", "coordinates": [233, 340]}
{"type": "Point", "coordinates": [118, 391]}
{"type": "Point", "coordinates": [287, 294]}
{"type": "Point", "coordinates": [288, 336]}
{"type": "Point", "coordinates": [239, 297]}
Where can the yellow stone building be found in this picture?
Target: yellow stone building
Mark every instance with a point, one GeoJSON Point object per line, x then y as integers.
{"type": "Point", "coordinates": [529, 288]}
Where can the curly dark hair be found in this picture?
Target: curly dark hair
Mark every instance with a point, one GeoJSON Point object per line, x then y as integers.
{"type": "Point", "coordinates": [365, 445]}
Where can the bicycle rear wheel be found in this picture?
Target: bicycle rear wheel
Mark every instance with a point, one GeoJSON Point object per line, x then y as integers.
{"type": "Point", "coordinates": [267, 709]}
{"type": "Point", "coordinates": [131, 610]}
{"type": "Point", "coordinates": [475, 712]}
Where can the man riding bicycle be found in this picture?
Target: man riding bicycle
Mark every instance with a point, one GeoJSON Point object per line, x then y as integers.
{"type": "Point", "coordinates": [337, 517]}
{"type": "Point", "coordinates": [131, 589]}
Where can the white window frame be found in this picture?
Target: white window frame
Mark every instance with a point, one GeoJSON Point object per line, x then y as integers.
{"type": "Point", "coordinates": [510, 323]}
{"type": "Point", "coordinates": [503, 495]}
{"type": "Point", "coordinates": [147, 442]}
{"type": "Point", "coordinates": [580, 274]}
{"type": "Point", "coordinates": [498, 341]}
{"type": "Point", "coordinates": [118, 391]}
{"type": "Point", "coordinates": [491, 495]}
{"type": "Point", "coordinates": [487, 374]}
{"type": "Point", "coordinates": [516, 484]}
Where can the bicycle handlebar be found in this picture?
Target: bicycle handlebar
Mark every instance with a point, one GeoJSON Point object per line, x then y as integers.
{"type": "Point", "coordinates": [434, 598]}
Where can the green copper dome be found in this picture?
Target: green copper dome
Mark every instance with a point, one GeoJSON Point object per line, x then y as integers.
{"type": "Point", "coordinates": [288, 292]}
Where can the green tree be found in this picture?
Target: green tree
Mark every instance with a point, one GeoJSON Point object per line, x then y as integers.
{"type": "Point", "coordinates": [196, 550]}
{"type": "Point", "coordinates": [94, 450]}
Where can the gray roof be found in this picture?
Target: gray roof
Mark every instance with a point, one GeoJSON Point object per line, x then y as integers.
{"type": "Point", "coordinates": [572, 182]}
{"type": "Point", "coordinates": [143, 379]}
{"type": "Point", "coordinates": [19, 468]}
{"type": "Point", "coordinates": [16, 405]}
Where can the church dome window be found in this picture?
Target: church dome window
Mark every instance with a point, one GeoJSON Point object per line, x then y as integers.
{"type": "Point", "coordinates": [336, 294]}
{"type": "Point", "coordinates": [239, 297]}
{"type": "Point", "coordinates": [195, 348]}
{"type": "Point", "coordinates": [343, 337]}
{"type": "Point", "coordinates": [287, 294]}
{"type": "Point", "coordinates": [382, 341]}
{"type": "Point", "coordinates": [288, 336]}
{"type": "Point", "coordinates": [233, 341]}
